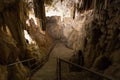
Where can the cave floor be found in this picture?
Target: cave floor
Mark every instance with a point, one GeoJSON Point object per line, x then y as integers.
{"type": "Point", "coordinates": [48, 71]}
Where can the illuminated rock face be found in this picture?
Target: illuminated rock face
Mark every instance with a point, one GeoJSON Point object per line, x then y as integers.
{"type": "Point", "coordinates": [41, 38]}
{"type": "Point", "coordinates": [13, 46]}
{"type": "Point", "coordinates": [71, 31]}
{"type": "Point", "coordinates": [97, 32]}
{"type": "Point", "coordinates": [103, 33]}
{"type": "Point", "coordinates": [102, 38]}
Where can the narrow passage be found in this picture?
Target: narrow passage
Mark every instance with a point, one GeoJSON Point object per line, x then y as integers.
{"type": "Point", "coordinates": [48, 71]}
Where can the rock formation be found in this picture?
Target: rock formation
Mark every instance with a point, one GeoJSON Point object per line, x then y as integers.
{"type": "Point", "coordinates": [94, 31]}
{"type": "Point", "coordinates": [92, 28]}
{"type": "Point", "coordinates": [14, 48]}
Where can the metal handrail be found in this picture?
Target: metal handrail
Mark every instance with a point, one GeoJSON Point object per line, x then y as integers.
{"type": "Point", "coordinates": [59, 60]}
{"type": "Point", "coordinates": [51, 48]}
{"type": "Point", "coordinates": [46, 58]}
{"type": "Point", "coordinates": [48, 54]}
{"type": "Point", "coordinates": [20, 62]}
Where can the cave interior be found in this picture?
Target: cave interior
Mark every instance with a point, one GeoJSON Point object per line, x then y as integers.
{"type": "Point", "coordinates": [60, 39]}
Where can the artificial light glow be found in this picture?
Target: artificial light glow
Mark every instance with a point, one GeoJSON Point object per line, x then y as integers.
{"type": "Point", "coordinates": [58, 10]}
{"type": "Point", "coordinates": [33, 17]}
{"type": "Point", "coordinates": [27, 36]}
{"type": "Point", "coordinates": [27, 22]}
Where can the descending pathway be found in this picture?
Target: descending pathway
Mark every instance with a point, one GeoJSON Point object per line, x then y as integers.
{"type": "Point", "coordinates": [48, 71]}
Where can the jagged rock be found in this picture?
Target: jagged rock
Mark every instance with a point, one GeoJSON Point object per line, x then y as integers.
{"type": "Point", "coordinates": [7, 45]}
{"type": "Point", "coordinates": [102, 33]}
{"type": "Point", "coordinates": [18, 72]}
{"type": "Point", "coordinates": [33, 51]}
{"type": "Point", "coordinates": [42, 40]}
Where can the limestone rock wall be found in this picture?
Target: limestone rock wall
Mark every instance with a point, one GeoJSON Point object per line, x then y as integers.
{"type": "Point", "coordinates": [13, 45]}
{"type": "Point", "coordinates": [95, 32]}
{"type": "Point", "coordinates": [39, 9]}
{"type": "Point", "coordinates": [102, 38]}
{"type": "Point", "coordinates": [103, 32]}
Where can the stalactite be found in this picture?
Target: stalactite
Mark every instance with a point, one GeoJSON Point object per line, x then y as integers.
{"type": "Point", "coordinates": [74, 10]}
{"type": "Point", "coordinates": [15, 28]}
{"type": "Point", "coordinates": [40, 12]}
{"type": "Point", "coordinates": [86, 5]}
{"type": "Point", "coordinates": [15, 24]}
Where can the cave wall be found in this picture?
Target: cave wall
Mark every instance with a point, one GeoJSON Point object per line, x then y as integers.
{"type": "Point", "coordinates": [11, 9]}
{"type": "Point", "coordinates": [95, 31]}
{"type": "Point", "coordinates": [102, 38]}
{"type": "Point", "coordinates": [12, 18]}
{"type": "Point", "coordinates": [13, 45]}
{"type": "Point", "coordinates": [103, 32]}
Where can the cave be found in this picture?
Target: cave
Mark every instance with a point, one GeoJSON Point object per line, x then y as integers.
{"type": "Point", "coordinates": [59, 39]}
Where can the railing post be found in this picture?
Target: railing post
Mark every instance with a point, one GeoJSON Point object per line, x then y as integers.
{"type": "Point", "coordinates": [58, 69]}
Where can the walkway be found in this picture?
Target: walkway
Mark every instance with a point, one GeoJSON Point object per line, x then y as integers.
{"type": "Point", "coordinates": [48, 71]}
